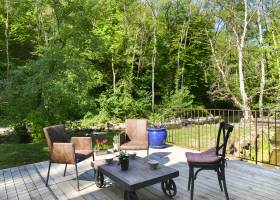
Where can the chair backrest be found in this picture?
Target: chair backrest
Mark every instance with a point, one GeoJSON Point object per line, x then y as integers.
{"type": "Point", "coordinates": [136, 129]}
{"type": "Point", "coordinates": [224, 129]}
{"type": "Point", "coordinates": [55, 134]}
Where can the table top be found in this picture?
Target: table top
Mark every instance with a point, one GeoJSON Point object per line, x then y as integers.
{"type": "Point", "coordinates": [138, 175]}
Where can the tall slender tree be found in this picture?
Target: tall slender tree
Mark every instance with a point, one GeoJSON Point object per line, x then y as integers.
{"type": "Point", "coordinates": [262, 59]}
{"type": "Point", "coordinates": [6, 2]}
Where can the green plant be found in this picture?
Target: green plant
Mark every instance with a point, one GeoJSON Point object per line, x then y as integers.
{"type": "Point", "coordinates": [24, 136]}
{"type": "Point", "coordinates": [123, 157]}
{"type": "Point", "coordinates": [116, 139]}
{"type": "Point", "coordinates": [73, 125]}
{"type": "Point", "coordinates": [102, 144]}
{"type": "Point", "coordinates": [35, 122]}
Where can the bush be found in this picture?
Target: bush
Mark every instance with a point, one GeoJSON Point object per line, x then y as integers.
{"type": "Point", "coordinates": [35, 122]}
{"type": "Point", "coordinates": [21, 132]}
{"type": "Point", "coordinates": [73, 125]}
{"type": "Point", "coordinates": [179, 99]}
{"type": "Point", "coordinates": [117, 106]}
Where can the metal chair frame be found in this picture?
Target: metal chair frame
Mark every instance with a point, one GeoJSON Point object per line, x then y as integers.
{"type": "Point", "coordinates": [219, 167]}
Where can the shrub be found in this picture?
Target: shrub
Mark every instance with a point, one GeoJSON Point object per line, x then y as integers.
{"type": "Point", "coordinates": [21, 132]}
{"type": "Point", "coordinates": [35, 122]}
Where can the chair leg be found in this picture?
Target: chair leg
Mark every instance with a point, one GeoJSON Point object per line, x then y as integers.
{"type": "Point", "coordinates": [220, 179]}
{"type": "Point", "coordinates": [224, 181]}
{"type": "Point", "coordinates": [94, 171]}
{"type": "Point", "coordinates": [190, 179]}
{"type": "Point", "coordinates": [77, 177]}
{"type": "Point", "coordinates": [65, 170]}
{"type": "Point", "coordinates": [47, 181]}
{"type": "Point", "coordinates": [192, 182]}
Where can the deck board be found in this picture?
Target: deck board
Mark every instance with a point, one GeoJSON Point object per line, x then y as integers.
{"type": "Point", "coordinates": [245, 181]}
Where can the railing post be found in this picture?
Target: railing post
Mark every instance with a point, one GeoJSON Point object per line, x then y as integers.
{"type": "Point", "coordinates": [198, 132]}
{"type": "Point", "coordinates": [275, 136]}
{"type": "Point", "coordinates": [257, 135]}
{"type": "Point", "coordinates": [256, 151]}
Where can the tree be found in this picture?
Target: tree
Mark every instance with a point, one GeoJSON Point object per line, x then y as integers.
{"type": "Point", "coordinates": [6, 2]}
{"type": "Point", "coordinates": [262, 60]}
{"type": "Point", "coordinates": [236, 17]}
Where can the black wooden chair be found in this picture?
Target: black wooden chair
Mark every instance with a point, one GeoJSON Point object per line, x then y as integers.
{"type": "Point", "coordinates": [213, 159]}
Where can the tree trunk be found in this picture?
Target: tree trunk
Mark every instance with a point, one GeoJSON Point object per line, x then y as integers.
{"type": "Point", "coordinates": [262, 82]}
{"type": "Point", "coordinates": [245, 102]}
{"type": "Point", "coordinates": [186, 32]}
{"type": "Point", "coordinates": [114, 73]}
{"type": "Point", "coordinates": [240, 40]}
{"type": "Point", "coordinates": [154, 52]}
{"type": "Point", "coordinates": [275, 44]}
{"type": "Point", "coordinates": [224, 78]}
{"type": "Point", "coordinates": [42, 34]}
{"type": "Point", "coordinates": [7, 37]}
{"type": "Point", "coordinates": [153, 69]}
{"type": "Point", "coordinates": [141, 60]}
{"type": "Point", "coordinates": [133, 59]}
{"type": "Point", "coordinates": [56, 6]}
{"type": "Point", "coordinates": [276, 47]}
{"type": "Point", "coordinates": [140, 56]}
{"type": "Point", "coordinates": [184, 48]}
{"type": "Point", "coordinates": [177, 75]}
{"type": "Point", "coordinates": [154, 55]}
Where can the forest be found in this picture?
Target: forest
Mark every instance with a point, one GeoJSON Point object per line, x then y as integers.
{"type": "Point", "coordinates": [91, 62]}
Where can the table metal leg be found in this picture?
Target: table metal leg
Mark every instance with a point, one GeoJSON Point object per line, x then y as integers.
{"type": "Point", "coordinates": [130, 195]}
{"type": "Point", "coordinates": [99, 179]}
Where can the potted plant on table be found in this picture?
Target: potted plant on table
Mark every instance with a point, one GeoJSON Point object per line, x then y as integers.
{"type": "Point", "coordinates": [124, 161]}
{"type": "Point", "coordinates": [101, 146]}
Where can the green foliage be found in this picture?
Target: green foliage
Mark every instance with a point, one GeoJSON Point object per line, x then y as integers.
{"type": "Point", "coordinates": [116, 139]}
{"type": "Point", "coordinates": [180, 99]}
{"type": "Point", "coordinates": [35, 122]}
{"type": "Point", "coordinates": [22, 133]}
{"type": "Point", "coordinates": [123, 157]}
{"type": "Point", "coordinates": [73, 125]}
{"type": "Point", "coordinates": [63, 55]}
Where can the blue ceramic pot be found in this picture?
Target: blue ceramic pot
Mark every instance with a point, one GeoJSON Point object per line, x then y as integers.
{"type": "Point", "coordinates": [157, 137]}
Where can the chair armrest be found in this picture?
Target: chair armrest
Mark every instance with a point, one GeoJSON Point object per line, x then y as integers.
{"type": "Point", "coordinates": [63, 153]}
{"type": "Point", "coordinates": [82, 143]}
{"type": "Point", "coordinates": [123, 138]}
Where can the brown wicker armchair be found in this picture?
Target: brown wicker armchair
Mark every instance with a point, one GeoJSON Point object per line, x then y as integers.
{"type": "Point", "coordinates": [135, 136]}
{"type": "Point", "coordinates": [64, 150]}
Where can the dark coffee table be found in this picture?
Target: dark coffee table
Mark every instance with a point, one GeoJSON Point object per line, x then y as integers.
{"type": "Point", "coordinates": [138, 175]}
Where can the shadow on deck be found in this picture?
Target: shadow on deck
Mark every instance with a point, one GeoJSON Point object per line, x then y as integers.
{"type": "Point", "coordinates": [245, 181]}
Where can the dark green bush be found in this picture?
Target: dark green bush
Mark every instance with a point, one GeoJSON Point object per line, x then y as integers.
{"type": "Point", "coordinates": [35, 122]}
{"type": "Point", "coordinates": [22, 133]}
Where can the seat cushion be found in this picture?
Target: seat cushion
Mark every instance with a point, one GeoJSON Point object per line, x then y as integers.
{"type": "Point", "coordinates": [211, 151]}
{"type": "Point", "coordinates": [134, 145]}
{"type": "Point", "coordinates": [83, 154]}
{"type": "Point", "coordinates": [204, 158]}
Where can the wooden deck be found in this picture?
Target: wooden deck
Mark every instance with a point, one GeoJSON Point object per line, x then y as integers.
{"type": "Point", "coordinates": [245, 181]}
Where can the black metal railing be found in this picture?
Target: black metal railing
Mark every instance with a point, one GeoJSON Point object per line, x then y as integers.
{"type": "Point", "coordinates": [256, 137]}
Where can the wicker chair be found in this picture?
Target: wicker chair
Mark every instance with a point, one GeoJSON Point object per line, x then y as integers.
{"type": "Point", "coordinates": [135, 136]}
{"type": "Point", "coordinates": [213, 159]}
{"type": "Point", "coordinates": [64, 150]}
